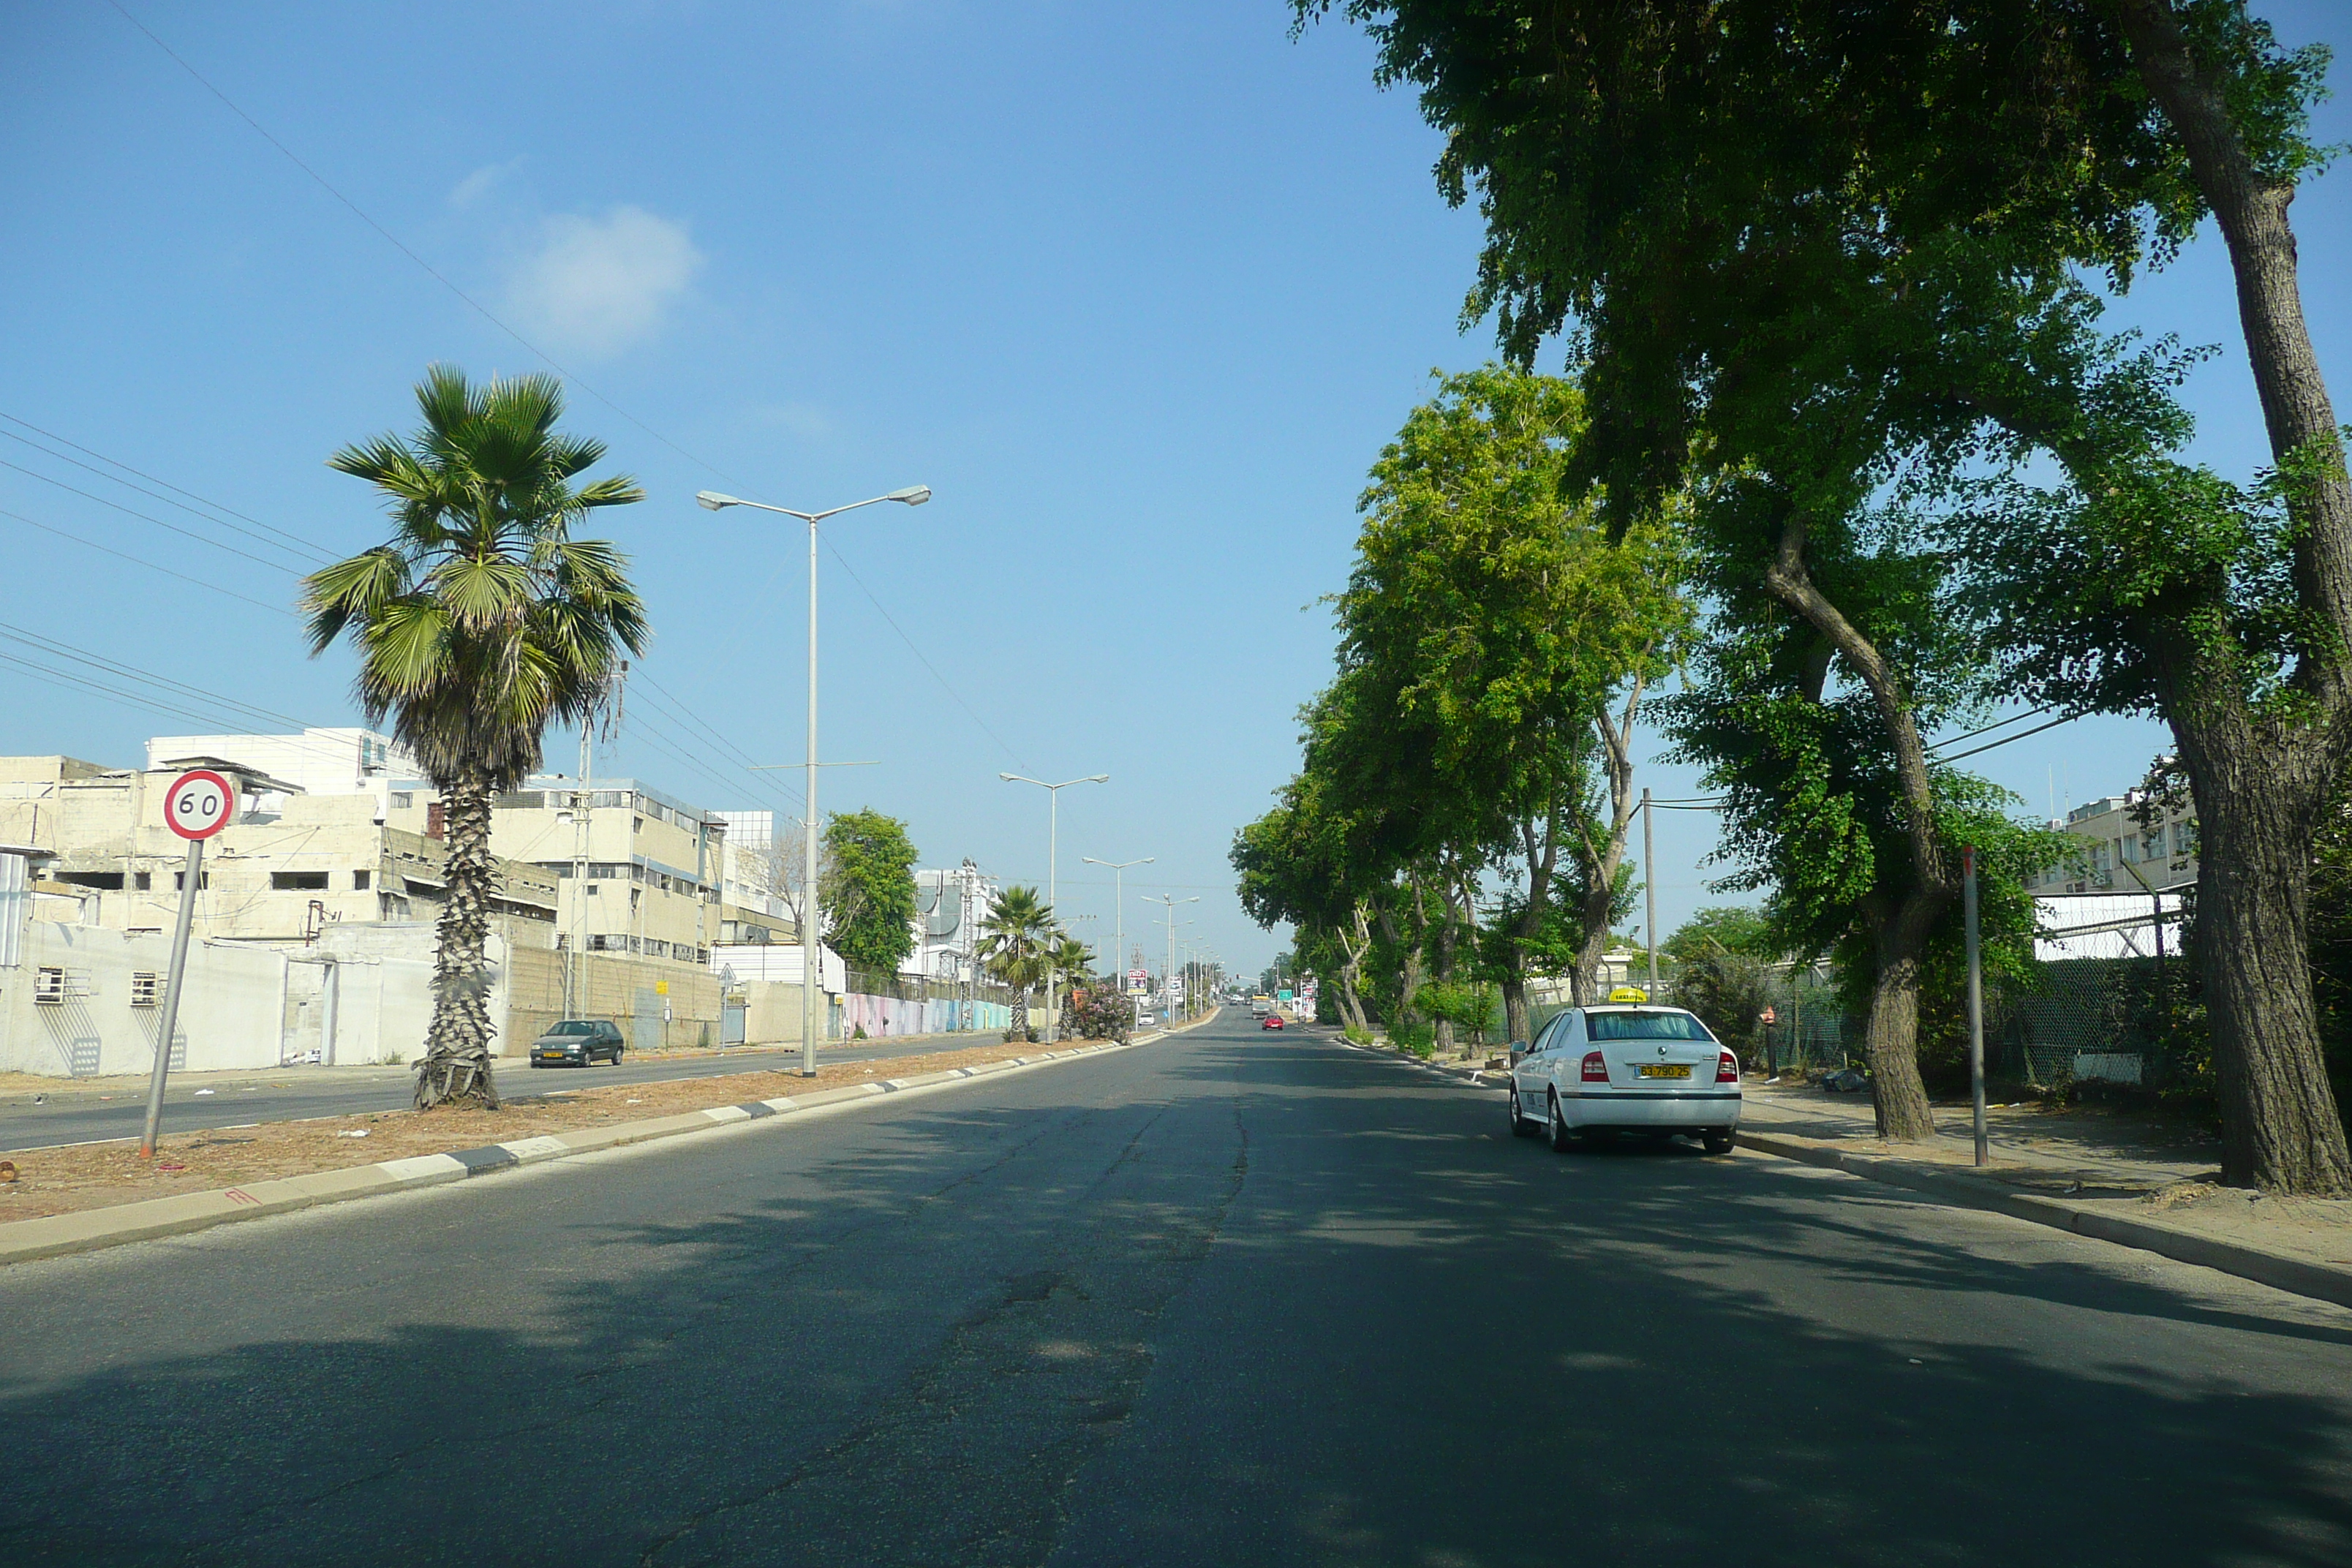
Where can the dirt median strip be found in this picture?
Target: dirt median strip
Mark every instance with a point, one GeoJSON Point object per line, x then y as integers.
{"type": "Point", "coordinates": [86, 1177]}
{"type": "Point", "coordinates": [91, 1228]}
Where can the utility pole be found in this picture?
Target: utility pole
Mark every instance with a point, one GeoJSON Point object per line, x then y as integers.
{"type": "Point", "coordinates": [1650, 891]}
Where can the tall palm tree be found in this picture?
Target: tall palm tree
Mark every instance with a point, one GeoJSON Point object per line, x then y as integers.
{"type": "Point", "coordinates": [480, 623]}
{"type": "Point", "coordinates": [1016, 944]}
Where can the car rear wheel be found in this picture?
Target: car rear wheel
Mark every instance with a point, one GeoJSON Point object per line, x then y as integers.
{"type": "Point", "coordinates": [1563, 1142]}
{"type": "Point", "coordinates": [1522, 1125]}
{"type": "Point", "coordinates": [1718, 1140]}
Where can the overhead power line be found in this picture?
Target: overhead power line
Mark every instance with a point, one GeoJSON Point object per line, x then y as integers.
{"type": "Point", "coordinates": [294, 543]}
{"type": "Point", "coordinates": [142, 561]}
{"type": "Point", "coordinates": [143, 517]}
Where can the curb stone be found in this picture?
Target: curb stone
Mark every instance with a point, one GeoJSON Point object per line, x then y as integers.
{"type": "Point", "coordinates": [2296, 1276]}
{"type": "Point", "coordinates": [90, 1230]}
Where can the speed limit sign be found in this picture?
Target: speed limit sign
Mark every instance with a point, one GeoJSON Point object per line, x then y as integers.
{"type": "Point", "coordinates": [198, 803]}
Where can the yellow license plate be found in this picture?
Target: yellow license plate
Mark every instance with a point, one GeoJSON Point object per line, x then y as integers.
{"type": "Point", "coordinates": [1666, 1070]}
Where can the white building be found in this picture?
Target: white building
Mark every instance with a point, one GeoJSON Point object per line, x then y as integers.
{"type": "Point", "coordinates": [316, 762]}
{"type": "Point", "coordinates": [2122, 854]}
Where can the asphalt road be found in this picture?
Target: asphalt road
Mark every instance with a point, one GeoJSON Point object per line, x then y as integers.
{"type": "Point", "coordinates": [1228, 1299]}
{"type": "Point", "coordinates": [85, 1112]}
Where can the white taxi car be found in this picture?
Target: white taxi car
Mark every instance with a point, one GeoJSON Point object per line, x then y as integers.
{"type": "Point", "coordinates": [1630, 1067]}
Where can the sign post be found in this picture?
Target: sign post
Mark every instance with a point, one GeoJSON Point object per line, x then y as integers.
{"type": "Point", "coordinates": [196, 806]}
{"type": "Point", "coordinates": [1976, 997]}
{"type": "Point", "coordinates": [1771, 1056]}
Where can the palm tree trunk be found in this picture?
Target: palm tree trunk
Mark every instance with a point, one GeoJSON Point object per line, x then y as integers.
{"type": "Point", "coordinates": [456, 1065]}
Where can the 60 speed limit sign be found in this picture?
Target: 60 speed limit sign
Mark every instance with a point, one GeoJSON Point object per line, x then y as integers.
{"type": "Point", "coordinates": [198, 804]}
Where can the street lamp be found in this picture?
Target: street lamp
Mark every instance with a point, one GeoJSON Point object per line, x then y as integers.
{"type": "Point", "coordinates": [1171, 901]}
{"type": "Point", "coordinates": [1053, 852]}
{"type": "Point", "coordinates": [812, 928]}
{"type": "Point", "coordinates": [1118, 902]}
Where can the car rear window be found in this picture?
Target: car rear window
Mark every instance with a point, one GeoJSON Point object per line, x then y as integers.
{"type": "Point", "coordinates": [1645, 1026]}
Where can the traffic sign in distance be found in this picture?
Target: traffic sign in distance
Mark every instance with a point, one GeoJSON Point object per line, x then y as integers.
{"type": "Point", "coordinates": [199, 804]}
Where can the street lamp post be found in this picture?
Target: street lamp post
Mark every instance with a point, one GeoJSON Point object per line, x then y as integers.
{"type": "Point", "coordinates": [1118, 902]}
{"type": "Point", "coordinates": [1169, 972]}
{"type": "Point", "coordinates": [1053, 865]}
{"type": "Point", "coordinates": [812, 928]}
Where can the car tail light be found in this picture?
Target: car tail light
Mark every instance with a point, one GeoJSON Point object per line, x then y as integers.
{"type": "Point", "coordinates": [1726, 1070]}
{"type": "Point", "coordinates": [1595, 1070]}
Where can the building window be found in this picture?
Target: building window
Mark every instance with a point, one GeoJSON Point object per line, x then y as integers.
{"type": "Point", "coordinates": [590, 889]}
{"type": "Point", "coordinates": [144, 990]}
{"type": "Point", "coordinates": [180, 882]}
{"type": "Point", "coordinates": [142, 880]}
{"type": "Point", "coordinates": [359, 881]}
{"type": "Point", "coordinates": [402, 799]}
{"type": "Point", "coordinates": [2184, 839]}
{"type": "Point", "coordinates": [104, 882]}
{"type": "Point", "coordinates": [298, 881]}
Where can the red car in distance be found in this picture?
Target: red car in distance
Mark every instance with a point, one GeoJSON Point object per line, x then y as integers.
{"type": "Point", "coordinates": [1272, 1021]}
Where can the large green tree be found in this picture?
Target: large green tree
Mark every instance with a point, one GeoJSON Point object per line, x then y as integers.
{"type": "Point", "coordinates": [480, 623]}
{"type": "Point", "coordinates": [1497, 641]}
{"type": "Point", "coordinates": [1765, 216]}
{"type": "Point", "coordinates": [868, 877]}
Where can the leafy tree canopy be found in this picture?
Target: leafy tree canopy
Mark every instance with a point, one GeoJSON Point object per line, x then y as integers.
{"type": "Point", "coordinates": [869, 886]}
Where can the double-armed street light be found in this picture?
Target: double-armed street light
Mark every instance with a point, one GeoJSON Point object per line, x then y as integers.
{"type": "Point", "coordinates": [812, 927]}
{"type": "Point", "coordinates": [1053, 852]}
{"type": "Point", "coordinates": [1118, 901]}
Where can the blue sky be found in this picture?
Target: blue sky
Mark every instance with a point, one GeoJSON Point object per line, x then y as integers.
{"type": "Point", "coordinates": [1139, 289]}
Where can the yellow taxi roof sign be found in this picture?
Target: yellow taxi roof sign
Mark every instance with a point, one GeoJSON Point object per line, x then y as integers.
{"type": "Point", "coordinates": [1628, 994]}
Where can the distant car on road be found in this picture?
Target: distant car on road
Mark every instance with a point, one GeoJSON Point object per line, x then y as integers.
{"type": "Point", "coordinates": [1598, 1071]}
{"type": "Point", "coordinates": [578, 1042]}
{"type": "Point", "coordinates": [1272, 1021]}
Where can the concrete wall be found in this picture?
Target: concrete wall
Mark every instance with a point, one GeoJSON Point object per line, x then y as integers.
{"type": "Point", "coordinates": [231, 1015]}
{"type": "Point", "coordinates": [632, 992]}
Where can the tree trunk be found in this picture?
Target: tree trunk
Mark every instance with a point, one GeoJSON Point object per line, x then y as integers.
{"type": "Point", "coordinates": [456, 1065]}
{"type": "Point", "coordinates": [1354, 944]}
{"type": "Point", "coordinates": [1441, 968]}
{"type": "Point", "coordinates": [2259, 786]}
{"type": "Point", "coordinates": [1890, 1032]}
{"type": "Point", "coordinates": [1514, 1001]}
{"type": "Point", "coordinates": [2258, 812]}
{"type": "Point", "coordinates": [1602, 859]}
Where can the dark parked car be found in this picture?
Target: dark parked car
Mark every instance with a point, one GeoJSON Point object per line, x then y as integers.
{"type": "Point", "coordinates": [578, 1042]}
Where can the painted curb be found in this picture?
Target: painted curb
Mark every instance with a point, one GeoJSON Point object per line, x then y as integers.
{"type": "Point", "coordinates": [2296, 1275]}
{"type": "Point", "coordinates": [90, 1230]}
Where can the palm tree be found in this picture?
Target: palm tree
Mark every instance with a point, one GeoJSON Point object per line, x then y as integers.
{"type": "Point", "coordinates": [1072, 962]}
{"type": "Point", "coordinates": [480, 622]}
{"type": "Point", "coordinates": [1016, 945]}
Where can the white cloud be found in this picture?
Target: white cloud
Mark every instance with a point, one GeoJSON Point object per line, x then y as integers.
{"type": "Point", "coordinates": [600, 285]}
{"type": "Point", "coordinates": [478, 183]}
